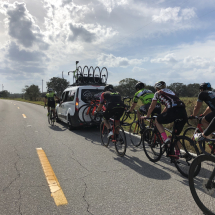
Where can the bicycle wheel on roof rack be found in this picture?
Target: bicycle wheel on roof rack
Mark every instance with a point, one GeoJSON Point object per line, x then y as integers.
{"type": "Point", "coordinates": [104, 75]}
{"type": "Point", "coordinates": [79, 75]}
{"type": "Point", "coordinates": [85, 74]}
{"type": "Point", "coordinates": [90, 75]}
{"type": "Point", "coordinates": [97, 75]}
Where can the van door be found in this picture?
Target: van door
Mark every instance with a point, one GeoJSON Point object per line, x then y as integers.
{"type": "Point", "coordinates": [61, 106]}
{"type": "Point", "coordinates": [70, 103]}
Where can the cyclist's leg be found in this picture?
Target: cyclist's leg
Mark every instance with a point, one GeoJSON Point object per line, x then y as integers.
{"type": "Point", "coordinates": [208, 124]}
{"type": "Point", "coordinates": [142, 111]}
{"type": "Point", "coordinates": [106, 117]}
{"type": "Point", "coordinates": [210, 128]}
{"type": "Point", "coordinates": [118, 112]}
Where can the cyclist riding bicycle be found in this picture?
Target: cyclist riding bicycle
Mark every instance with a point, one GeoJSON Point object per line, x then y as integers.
{"type": "Point", "coordinates": [174, 109]}
{"type": "Point", "coordinates": [145, 97]}
{"type": "Point", "coordinates": [114, 107]}
{"type": "Point", "coordinates": [50, 96]}
{"type": "Point", "coordinates": [208, 120]}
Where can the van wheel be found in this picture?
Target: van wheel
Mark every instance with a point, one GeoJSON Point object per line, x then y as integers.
{"type": "Point", "coordinates": [70, 127]}
{"type": "Point", "coordinates": [57, 119]}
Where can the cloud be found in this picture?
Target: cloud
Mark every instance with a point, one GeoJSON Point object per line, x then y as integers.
{"type": "Point", "coordinates": [175, 14]}
{"type": "Point", "coordinates": [168, 59]}
{"type": "Point", "coordinates": [138, 70]}
{"type": "Point", "coordinates": [112, 61]}
{"type": "Point", "coordinates": [196, 62]}
{"type": "Point", "coordinates": [21, 25]}
{"type": "Point", "coordinates": [15, 54]}
{"type": "Point", "coordinates": [79, 32]}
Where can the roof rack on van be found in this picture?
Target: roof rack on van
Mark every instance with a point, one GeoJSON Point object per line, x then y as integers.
{"type": "Point", "coordinates": [89, 76]}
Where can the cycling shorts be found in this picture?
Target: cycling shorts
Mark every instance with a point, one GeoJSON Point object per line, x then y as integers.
{"type": "Point", "coordinates": [210, 116]}
{"type": "Point", "coordinates": [171, 115]}
{"type": "Point", "coordinates": [51, 104]}
{"type": "Point", "coordinates": [144, 109]}
{"type": "Point", "coordinates": [113, 112]}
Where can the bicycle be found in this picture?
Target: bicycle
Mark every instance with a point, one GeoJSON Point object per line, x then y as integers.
{"type": "Point", "coordinates": [202, 186]}
{"type": "Point", "coordinates": [51, 118]}
{"type": "Point", "coordinates": [191, 131]}
{"type": "Point", "coordinates": [118, 138]}
{"type": "Point", "coordinates": [154, 148]}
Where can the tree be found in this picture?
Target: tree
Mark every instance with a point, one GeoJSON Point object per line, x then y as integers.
{"type": "Point", "coordinates": [179, 89]}
{"type": "Point", "coordinates": [58, 85]}
{"type": "Point", "coordinates": [32, 92]}
{"type": "Point", "coordinates": [193, 90]}
{"type": "Point", "coordinates": [126, 87]}
{"type": "Point", "coordinates": [4, 94]}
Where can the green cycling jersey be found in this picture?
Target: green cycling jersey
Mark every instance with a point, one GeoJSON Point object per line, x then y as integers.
{"type": "Point", "coordinates": [144, 95]}
{"type": "Point", "coordinates": [50, 96]}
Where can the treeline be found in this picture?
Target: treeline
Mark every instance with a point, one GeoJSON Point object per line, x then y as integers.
{"type": "Point", "coordinates": [126, 87]}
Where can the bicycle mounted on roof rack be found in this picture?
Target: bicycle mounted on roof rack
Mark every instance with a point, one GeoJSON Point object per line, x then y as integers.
{"type": "Point", "coordinates": [89, 75]}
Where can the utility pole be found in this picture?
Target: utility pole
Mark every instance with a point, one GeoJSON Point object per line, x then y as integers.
{"type": "Point", "coordinates": [42, 85]}
{"type": "Point", "coordinates": [62, 74]}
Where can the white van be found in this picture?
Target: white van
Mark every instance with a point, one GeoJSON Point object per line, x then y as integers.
{"type": "Point", "coordinates": [72, 99]}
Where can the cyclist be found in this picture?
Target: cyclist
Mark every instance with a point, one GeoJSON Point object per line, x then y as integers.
{"type": "Point", "coordinates": [208, 120]}
{"type": "Point", "coordinates": [174, 109]}
{"type": "Point", "coordinates": [146, 98]}
{"type": "Point", "coordinates": [51, 101]}
{"type": "Point", "coordinates": [114, 107]}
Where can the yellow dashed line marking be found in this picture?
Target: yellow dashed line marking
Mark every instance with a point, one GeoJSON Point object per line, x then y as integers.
{"type": "Point", "coordinates": [18, 107]}
{"type": "Point", "coordinates": [14, 104]}
{"type": "Point", "coordinates": [54, 185]}
{"type": "Point", "coordinates": [24, 116]}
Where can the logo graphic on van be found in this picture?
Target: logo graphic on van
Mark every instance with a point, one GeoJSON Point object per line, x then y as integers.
{"type": "Point", "coordinates": [87, 94]}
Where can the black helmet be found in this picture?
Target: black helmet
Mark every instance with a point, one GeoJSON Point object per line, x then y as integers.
{"type": "Point", "coordinates": [139, 85]}
{"type": "Point", "coordinates": [108, 87]}
{"type": "Point", "coordinates": [160, 85]}
{"type": "Point", "coordinates": [205, 86]}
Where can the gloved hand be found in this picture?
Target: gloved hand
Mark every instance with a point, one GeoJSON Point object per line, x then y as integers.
{"type": "Point", "coordinates": [201, 115]}
{"type": "Point", "coordinates": [191, 117]}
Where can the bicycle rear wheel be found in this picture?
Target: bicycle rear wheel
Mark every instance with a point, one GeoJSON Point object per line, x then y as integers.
{"type": "Point", "coordinates": [52, 118]}
{"type": "Point", "coordinates": [49, 117]}
{"type": "Point", "coordinates": [152, 145]}
{"type": "Point", "coordinates": [103, 134]}
{"type": "Point", "coordinates": [120, 139]}
{"type": "Point", "coordinates": [188, 152]}
{"type": "Point", "coordinates": [134, 134]}
{"type": "Point", "coordinates": [204, 197]}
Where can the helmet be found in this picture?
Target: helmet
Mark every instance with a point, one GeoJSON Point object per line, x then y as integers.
{"type": "Point", "coordinates": [108, 87]}
{"type": "Point", "coordinates": [139, 85]}
{"type": "Point", "coordinates": [50, 90]}
{"type": "Point", "coordinates": [205, 86]}
{"type": "Point", "coordinates": [160, 85]}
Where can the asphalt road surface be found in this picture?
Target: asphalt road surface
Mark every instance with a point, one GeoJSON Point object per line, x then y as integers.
{"type": "Point", "coordinates": [93, 178]}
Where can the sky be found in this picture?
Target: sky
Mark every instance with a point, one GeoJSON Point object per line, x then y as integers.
{"type": "Point", "coordinates": [148, 40]}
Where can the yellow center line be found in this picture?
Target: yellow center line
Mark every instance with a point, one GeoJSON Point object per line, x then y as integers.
{"type": "Point", "coordinates": [14, 104]}
{"type": "Point", "coordinates": [18, 107]}
{"type": "Point", "coordinates": [54, 185]}
{"type": "Point", "coordinates": [24, 115]}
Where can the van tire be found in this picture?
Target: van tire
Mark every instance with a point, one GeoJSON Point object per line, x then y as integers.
{"type": "Point", "coordinates": [70, 127]}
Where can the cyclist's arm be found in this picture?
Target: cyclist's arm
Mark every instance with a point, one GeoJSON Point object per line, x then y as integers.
{"type": "Point", "coordinates": [197, 108]}
{"type": "Point", "coordinates": [132, 107]}
{"type": "Point", "coordinates": [207, 111]}
{"type": "Point", "coordinates": [151, 108]}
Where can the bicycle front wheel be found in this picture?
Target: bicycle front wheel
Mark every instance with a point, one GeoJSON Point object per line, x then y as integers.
{"type": "Point", "coordinates": [134, 134]}
{"type": "Point", "coordinates": [103, 134]}
{"type": "Point", "coordinates": [188, 151]}
{"type": "Point", "coordinates": [152, 145]}
{"type": "Point", "coordinates": [120, 139]}
{"type": "Point", "coordinates": [203, 189]}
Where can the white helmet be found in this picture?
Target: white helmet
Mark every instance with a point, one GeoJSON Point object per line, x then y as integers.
{"type": "Point", "coordinates": [160, 85]}
{"type": "Point", "coordinates": [50, 90]}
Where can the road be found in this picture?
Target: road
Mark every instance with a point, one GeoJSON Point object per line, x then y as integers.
{"type": "Point", "coordinates": [93, 178]}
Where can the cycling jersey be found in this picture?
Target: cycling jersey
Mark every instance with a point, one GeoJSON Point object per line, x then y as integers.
{"type": "Point", "coordinates": [113, 99]}
{"type": "Point", "coordinates": [208, 97]}
{"type": "Point", "coordinates": [168, 98]}
{"type": "Point", "coordinates": [50, 96]}
{"type": "Point", "coordinates": [144, 95]}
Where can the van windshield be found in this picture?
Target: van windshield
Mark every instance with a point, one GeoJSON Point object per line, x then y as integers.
{"type": "Point", "coordinates": [88, 94]}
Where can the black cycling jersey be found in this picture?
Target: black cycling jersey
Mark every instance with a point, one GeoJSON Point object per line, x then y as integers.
{"type": "Point", "coordinates": [168, 98]}
{"type": "Point", "coordinates": [208, 97]}
{"type": "Point", "coordinates": [113, 99]}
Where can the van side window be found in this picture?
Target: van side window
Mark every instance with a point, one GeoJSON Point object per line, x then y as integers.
{"type": "Point", "coordinates": [71, 96]}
